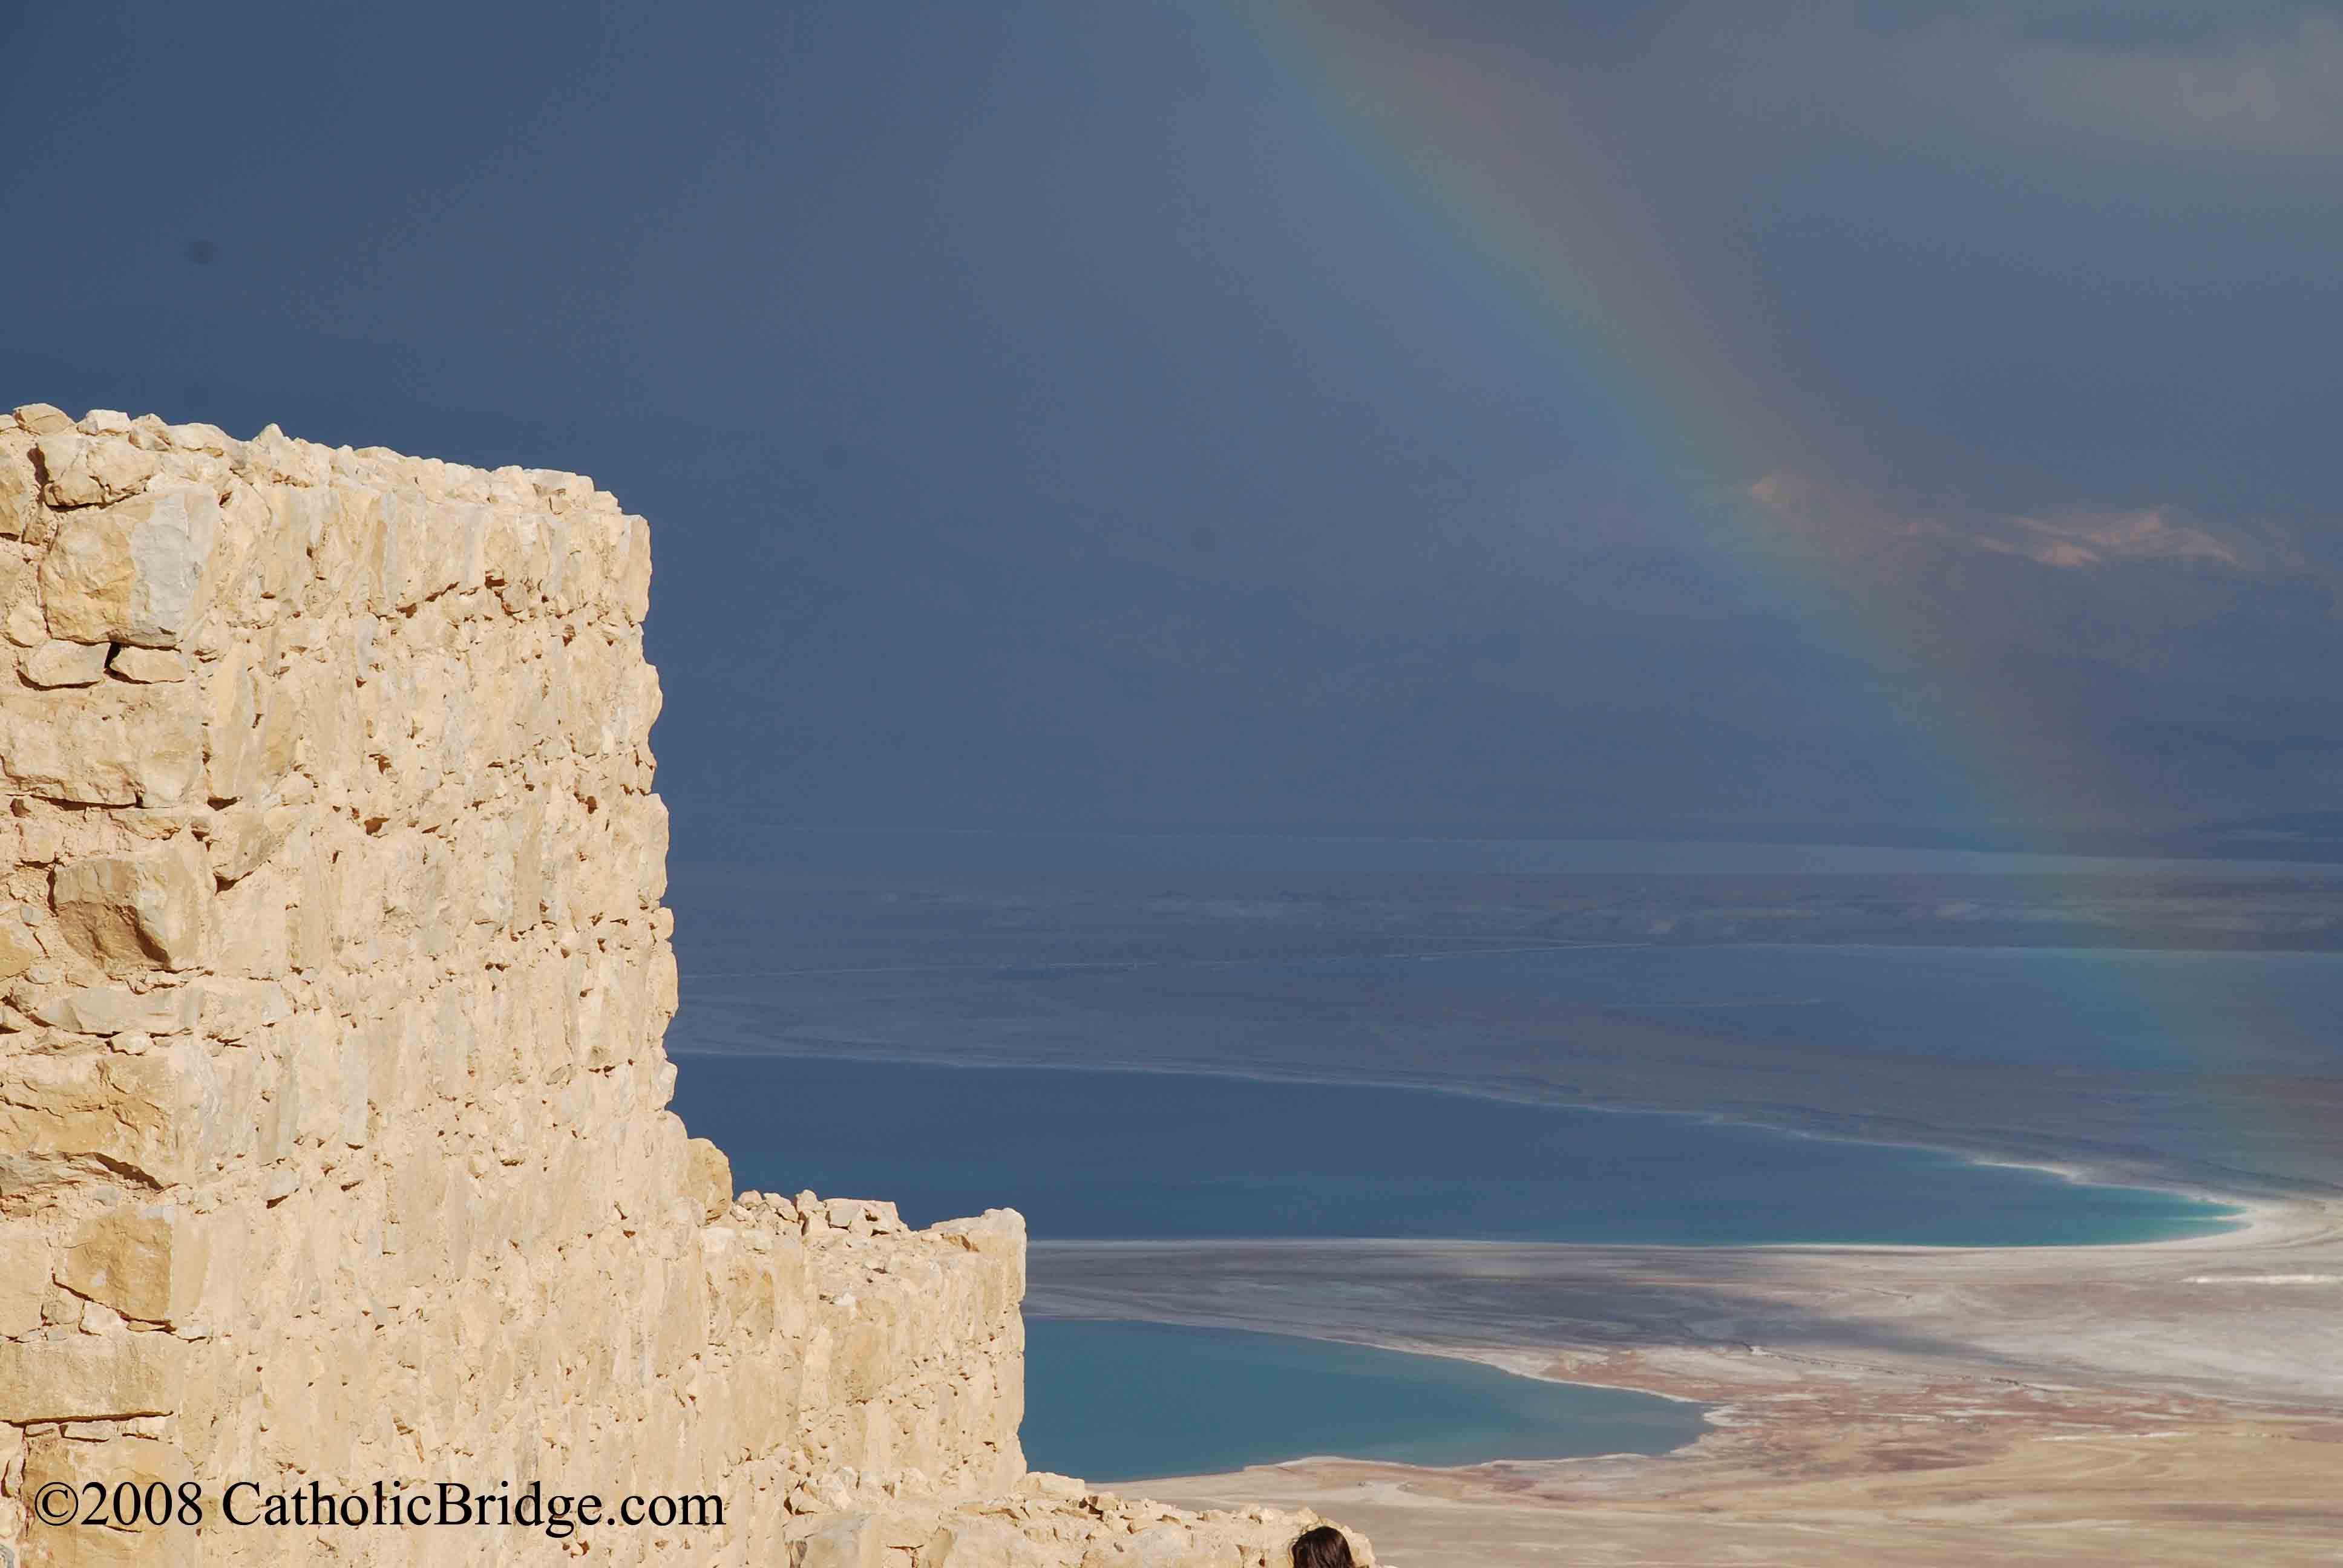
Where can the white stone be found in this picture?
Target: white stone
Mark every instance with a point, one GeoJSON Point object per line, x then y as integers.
{"type": "Point", "coordinates": [135, 571]}
{"type": "Point", "coordinates": [57, 663]}
{"type": "Point", "coordinates": [147, 666]}
{"type": "Point", "coordinates": [147, 909]}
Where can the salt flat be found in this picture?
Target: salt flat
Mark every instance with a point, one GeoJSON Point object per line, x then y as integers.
{"type": "Point", "coordinates": [2168, 1403]}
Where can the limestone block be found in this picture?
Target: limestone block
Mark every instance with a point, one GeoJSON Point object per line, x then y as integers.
{"type": "Point", "coordinates": [633, 572]}
{"type": "Point", "coordinates": [847, 1540]}
{"type": "Point", "coordinates": [562, 492]}
{"type": "Point", "coordinates": [396, 549]}
{"type": "Point", "coordinates": [274, 458]}
{"type": "Point", "coordinates": [680, 1329]}
{"type": "Point", "coordinates": [998, 1234]}
{"type": "Point", "coordinates": [740, 1292]}
{"type": "Point", "coordinates": [279, 741]}
{"type": "Point", "coordinates": [126, 1458]}
{"type": "Point", "coordinates": [137, 571]}
{"type": "Point", "coordinates": [196, 437]}
{"type": "Point", "coordinates": [23, 624]}
{"type": "Point", "coordinates": [247, 550]}
{"type": "Point", "coordinates": [708, 1176]}
{"type": "Point", "coordinates": [338, 554]}
{"type": "Point", "coordinates": [231, 729]}
{"type": "Point", "coordinates": [20, 492]}
{"type": "Point", "coordinates": [147, 1263]}
{"type": "Point", "coordinates": [310, 933]}
{"type": "Point", "coordinates": [457, 1058]}
{"type": "Point", "coordinates": [88, 577]}
{"type": "Point", "coordinates": [91, 1377]}
{"type": "Point", "coordinates": [463, 529]}
{"type": "Point", "coordinates": [793, 1289]}
{"type": "Point", "coordinates": [165, 766]}
{"type": "Point", "coordinates": [156, 1115]}
{"type": "Point", "coordinates": [147, 666]}
{"type": "Point", "coordinates": [126, 747]}
{"type": "Point", "coordinates": [23, 1277]}
{"type": "Point", "coordinates": [39, 839]}
{"type": "Point", "coordinates": [253, 921]}
{"type": "Point", "coordinates": [238, 840]}
{"type": "Point", "coordinates": [965, 1541]}
{"type": "Point", "coordinates": [146, 909]}
{"type": "Point", "coordinates": [663, 983]}
{"type": "Point", "coordinates": [1175, 1544]}
{"type": "Point", "coordinates": [80, 471]}
{"type": "Point", "coordinates": [229, 1009]}
{"type": "Point", "coordinates": [19, 948]}
{"type": "Point", "coordinates": [20, 601]}
{"type": "Point", "coordinates": [862, 1363]}
{"type": "Point", "coordinates": [529, 865]}
{"type": "Point", "coordinates": [42, 419]}
{"type": "Point", "coordinates": [55, 663]}
{"type": "Point", "coordinates": [280, 559]}
{"type": "Point", "coordinates": [766, 1382]}
{"type": "Point", "coordinates": [110, 1010]}
{"type": "Point", "coordinates": [324, 1087]}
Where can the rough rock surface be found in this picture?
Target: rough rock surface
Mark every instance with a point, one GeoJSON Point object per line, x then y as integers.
{"type": "Point", "coordinates": [333, 1138]}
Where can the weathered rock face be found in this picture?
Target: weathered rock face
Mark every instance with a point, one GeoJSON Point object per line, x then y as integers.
{"type": "Point", "coordinates": [333, 1138]}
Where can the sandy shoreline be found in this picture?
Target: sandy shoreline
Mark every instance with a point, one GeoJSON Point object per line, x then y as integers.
{"type": "Point", "coordinates": [2174, 1400]}
{"type": "Point", "coordinates": [2167, 1401]}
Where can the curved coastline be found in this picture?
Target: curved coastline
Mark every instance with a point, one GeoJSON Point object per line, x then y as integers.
{"type": "Point", "coordinates": [1216, 1392]}
{"type": "Point", "coordinates": [1991, 1318]}
{"type": "Point", "coordinates": [2019, 1381]}
{"type": "Point", "coordinates": [2258, 1200]}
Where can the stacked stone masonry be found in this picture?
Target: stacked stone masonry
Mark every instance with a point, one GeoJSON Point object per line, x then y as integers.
{"type": "Point", "coordinates": [334, 1144]}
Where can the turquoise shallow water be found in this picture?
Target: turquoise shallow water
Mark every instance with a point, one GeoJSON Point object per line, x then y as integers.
{"type": "Point", "coordinates": [1145, 1155]}
{"type": "Point", "coordinates": [1114, 1402]}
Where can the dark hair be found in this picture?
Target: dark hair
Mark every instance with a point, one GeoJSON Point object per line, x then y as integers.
{"type": "Point", "coordinates": [1325, 1547]}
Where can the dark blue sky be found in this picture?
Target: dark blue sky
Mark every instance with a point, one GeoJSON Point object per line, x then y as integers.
{"type": "Point", "coordinates": [1918, 418]}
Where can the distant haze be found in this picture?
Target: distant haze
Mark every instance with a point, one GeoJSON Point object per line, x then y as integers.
{"type": "Point", "coordinates": [1898, 419]}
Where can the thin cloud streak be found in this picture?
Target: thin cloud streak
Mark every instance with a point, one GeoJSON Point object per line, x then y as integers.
{"type": "Point", "coordinates": [2237, 83]}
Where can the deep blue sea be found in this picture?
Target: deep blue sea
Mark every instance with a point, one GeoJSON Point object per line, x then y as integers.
{"type": "Point", "coordinates": [1030, 856]}
{"type": "Point", "coordinates": [1096, 1154]}
{"type": "Point", "coordinates": [1123, 1154]}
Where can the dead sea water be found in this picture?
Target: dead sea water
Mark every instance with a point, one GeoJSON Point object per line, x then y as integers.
{"type": "Point", "coordinates": [810, 1000]}
{"type": "Point", "coordinates": [1117, 1154]}
{"type": "Point", "coordinates": [1109, 1155]}
{"type": "Point", "coordinates": [1115, 1401]}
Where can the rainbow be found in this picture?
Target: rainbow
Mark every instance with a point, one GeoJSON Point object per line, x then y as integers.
{"type": "Point", "coordinates": [1556, 244]}
{"type": "Point", "coordinates": [1562, 253]}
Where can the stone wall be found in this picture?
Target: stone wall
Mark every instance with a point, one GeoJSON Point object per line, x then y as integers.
{"type": "Point", "coordinates": [333, 1138]}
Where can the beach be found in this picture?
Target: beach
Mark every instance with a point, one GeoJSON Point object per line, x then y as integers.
{"type": "Point", "coordinates": [2175, 1402]}
{"type": "Point", "coordinates": [2162, 1401]}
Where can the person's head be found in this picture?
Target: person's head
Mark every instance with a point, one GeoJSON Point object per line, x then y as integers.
{"type": "Point", "coordinates": [1323, 1547]}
